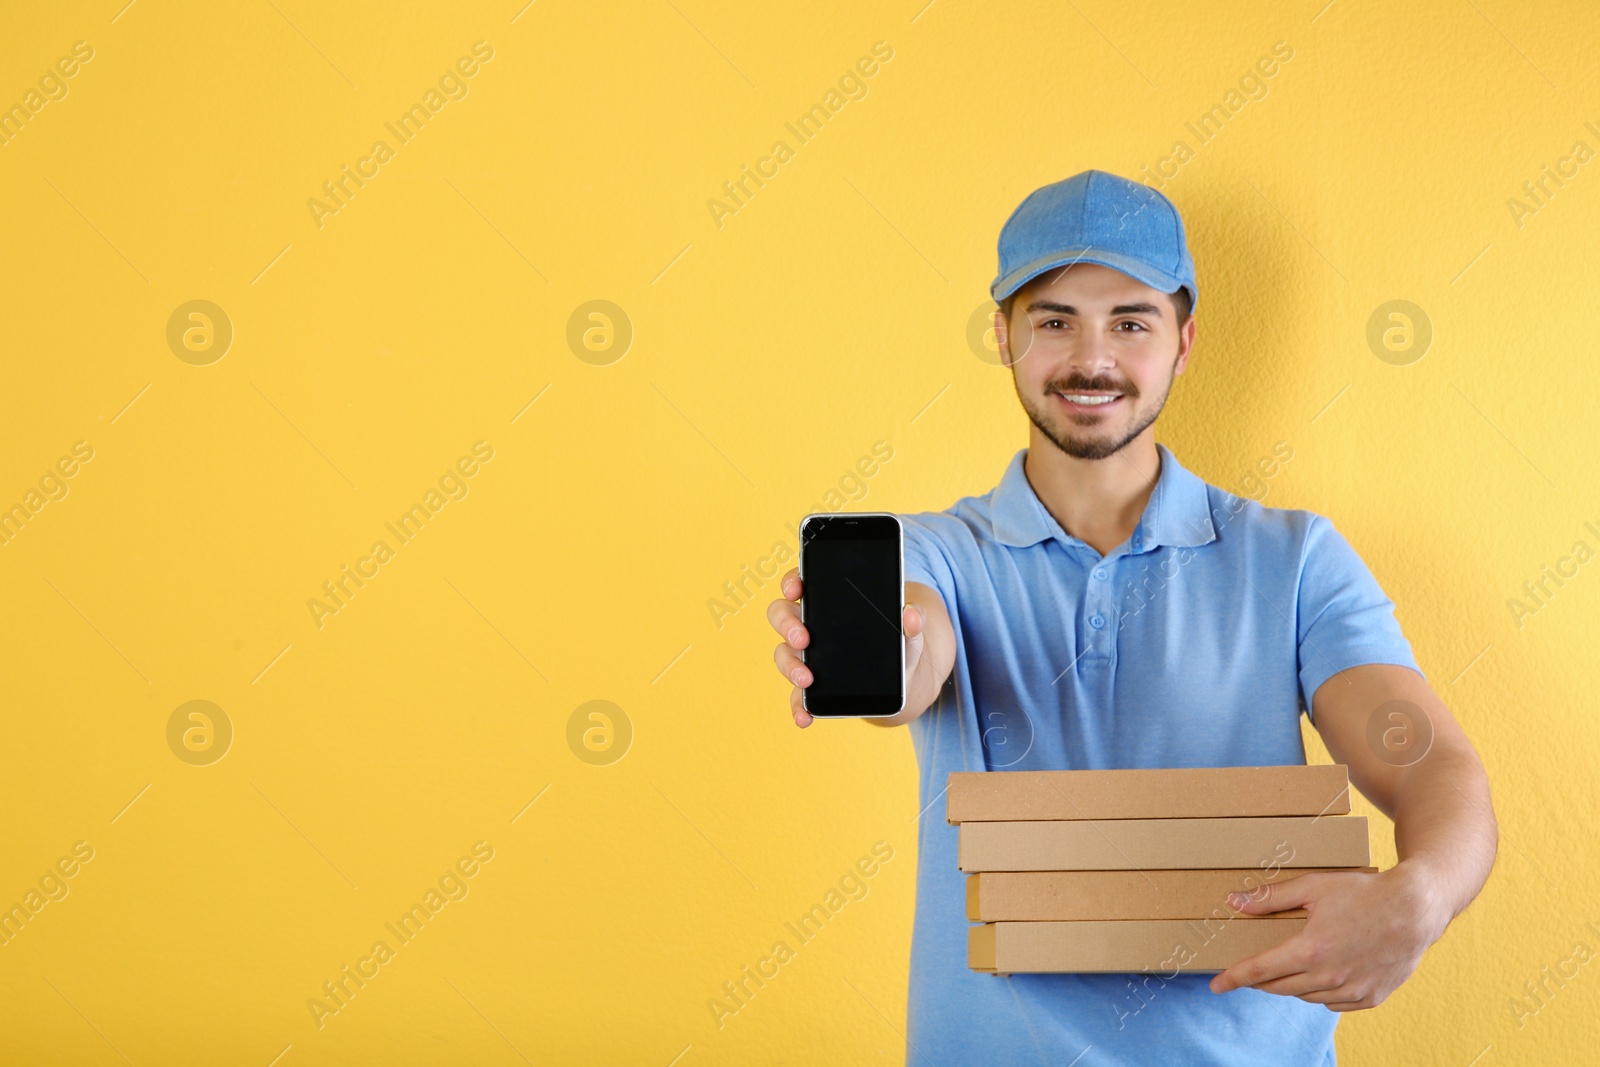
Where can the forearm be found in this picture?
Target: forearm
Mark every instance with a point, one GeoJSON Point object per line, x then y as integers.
{"type": "Point", "coordinates": [1445, 831]}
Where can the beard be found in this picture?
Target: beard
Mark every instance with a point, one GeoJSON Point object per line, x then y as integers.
{"type": "Point", "coordinates": [1089, 440]}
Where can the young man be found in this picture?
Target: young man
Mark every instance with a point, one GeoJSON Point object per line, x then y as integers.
{"type": "Point", "coordinates": [1104, 607]}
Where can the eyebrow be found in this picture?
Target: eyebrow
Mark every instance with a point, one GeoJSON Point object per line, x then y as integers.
{"type": "Point", "coordinates": [1120, 309]}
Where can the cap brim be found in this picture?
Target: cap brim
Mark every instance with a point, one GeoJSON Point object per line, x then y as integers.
{"type": "Point", "coordinates": [1004, 287]}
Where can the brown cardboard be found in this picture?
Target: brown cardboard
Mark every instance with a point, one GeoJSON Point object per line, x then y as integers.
{"type": "Point", "coordinates": [1169, 793]}
{"type": "Point", "coordinates": [1037, 896]}
{"type": "Point", "coordinates": [1162, 946]}
{"type": "Point", "coordinates": [1165, 844]}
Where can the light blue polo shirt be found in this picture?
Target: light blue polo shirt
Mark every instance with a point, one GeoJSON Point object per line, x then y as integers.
{"type": "Point", "coordinates": [1195, 643]}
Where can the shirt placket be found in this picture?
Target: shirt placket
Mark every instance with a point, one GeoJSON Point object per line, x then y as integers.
{"type": "Point", "coordinates": [1100, 611]}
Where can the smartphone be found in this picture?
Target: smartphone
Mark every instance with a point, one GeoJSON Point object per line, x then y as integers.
{"type": "Point", "coordinates": [852, 602]}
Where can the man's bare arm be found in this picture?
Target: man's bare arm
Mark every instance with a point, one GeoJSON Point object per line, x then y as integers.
{"type": "Point", "coordinates": [930, 648]}
{"type": "Point", "coordinates": [1366, 933]}
{"type": "Point", "coordinates": [1444, 825]}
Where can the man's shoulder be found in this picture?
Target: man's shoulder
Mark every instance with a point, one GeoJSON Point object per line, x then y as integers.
{"type": "Point", "coordinates": [1263, 538]}
{"type": "Point", "coordinates": [1257, 517]}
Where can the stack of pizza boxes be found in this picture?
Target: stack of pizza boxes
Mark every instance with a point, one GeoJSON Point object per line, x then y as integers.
{"type": "Point", "coordinates": [1130, 870]}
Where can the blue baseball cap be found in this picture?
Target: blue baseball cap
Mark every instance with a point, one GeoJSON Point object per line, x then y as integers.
{"type": "Point", "coordinates": [1096, 217]}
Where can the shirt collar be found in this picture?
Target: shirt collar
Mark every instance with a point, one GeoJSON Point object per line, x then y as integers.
{"type": "Point", "coordinates": [1178, 512]}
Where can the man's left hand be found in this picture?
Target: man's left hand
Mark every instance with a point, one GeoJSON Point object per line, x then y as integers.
{"type": "Point", "coordinates": [1364, 935]}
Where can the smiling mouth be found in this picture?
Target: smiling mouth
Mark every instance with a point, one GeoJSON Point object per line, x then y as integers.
{"type": "Point", "coordinates": [1091, 402]}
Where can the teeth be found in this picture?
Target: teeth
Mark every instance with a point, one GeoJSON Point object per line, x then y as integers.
{"type": "Point", "coordinates": [1082, 398]}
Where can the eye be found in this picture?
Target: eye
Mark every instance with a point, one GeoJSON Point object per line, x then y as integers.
{"type": "Point", "coordinates": [1047, 323]}
{"type": "Point", "coordinates": [1134, 322]}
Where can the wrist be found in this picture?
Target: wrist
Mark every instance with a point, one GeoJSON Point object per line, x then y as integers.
{"type": "Point", "coordinates": [1424, 888]}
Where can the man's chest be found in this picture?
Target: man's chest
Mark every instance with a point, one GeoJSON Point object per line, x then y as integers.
{"type": "Point", "coordinates": [1163, 655]}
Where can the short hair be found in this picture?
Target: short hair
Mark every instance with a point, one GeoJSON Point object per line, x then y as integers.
{"type": "Point", "coordinates": [1181, 304]}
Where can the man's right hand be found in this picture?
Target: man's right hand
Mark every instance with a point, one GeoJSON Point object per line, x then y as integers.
{"type": "Point", "coordinates": [924, 675]}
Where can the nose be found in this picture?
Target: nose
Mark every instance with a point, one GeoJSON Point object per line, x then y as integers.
{"type": "Point", "coordinates": [1092, 355]}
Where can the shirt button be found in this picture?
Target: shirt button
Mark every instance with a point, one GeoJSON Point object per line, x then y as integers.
{"type": "Point", "coordinates": [1100, 572]}
{"type": "Point", "coordinates": [1097, 620]}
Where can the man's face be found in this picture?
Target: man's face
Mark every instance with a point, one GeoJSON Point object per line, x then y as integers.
{"type": "Point", "coordinates": [1086, 333]}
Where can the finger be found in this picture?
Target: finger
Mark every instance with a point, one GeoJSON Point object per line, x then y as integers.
{"type": "Point", "coordinates": [1303, 985]}
{"type": "Point", "coordinates": [790, 583]}
{"type": "Point", "coordinates": [785, 620]}
{"type": "Point", "coordinates": [1290, 957]}
{"type": "Point", "coordinates": [1348, 1005]}
{"type": "Point", "coordinates": [1294, 892]}
{"type": "Point", "coordinates": [913, 621]}
{"type": "Point", "coordinates": [802, 718]}
{"type": "Point", "coordinates": [791, 666]}
{"type": "Point", "coordinates": [1337, 994]}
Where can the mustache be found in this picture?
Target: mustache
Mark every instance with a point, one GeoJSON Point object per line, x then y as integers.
{"type": "Point", "coordinates": [1088, 385]}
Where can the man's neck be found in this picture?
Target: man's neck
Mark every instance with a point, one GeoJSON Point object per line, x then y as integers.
{"type": "Point", "coordinates": [1098, 501]}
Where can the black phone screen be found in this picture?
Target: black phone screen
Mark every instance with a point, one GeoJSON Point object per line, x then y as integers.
{"type": "Point", "coordinates": [851, 606]}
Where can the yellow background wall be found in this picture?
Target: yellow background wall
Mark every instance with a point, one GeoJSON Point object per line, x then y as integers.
{"type": "Point", "coordinates": [374, 346]}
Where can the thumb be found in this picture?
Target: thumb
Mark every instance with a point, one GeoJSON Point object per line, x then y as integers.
{"type": "Point", "coordinates": [914, 620]}
{"type": "Point", "coordinates": [1297, 892]}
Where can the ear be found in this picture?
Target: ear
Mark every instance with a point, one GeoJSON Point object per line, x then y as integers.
{"type": "Point", "coordinates": [1185, 344]}
{"type": "Point", "coordinates": [1013, 344]}
{"type": "Point", "coordinates": [1002, 338]}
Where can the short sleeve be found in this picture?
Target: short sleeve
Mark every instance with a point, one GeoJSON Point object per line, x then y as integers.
{"type": "Point", "coordinates": [1344, 618]}
{"type": "Point", "coordinates": [926, 561]}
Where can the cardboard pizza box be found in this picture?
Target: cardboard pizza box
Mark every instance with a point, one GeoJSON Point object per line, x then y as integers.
{"type": "Point", "coordinates": [1191, 792]}
{"type": "Point", "coordinates": [1164, 844]}
{"type": "Point", "coordinates": [1165, 947]}
{"type": "Point", "coordinates": [1036, 896]}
